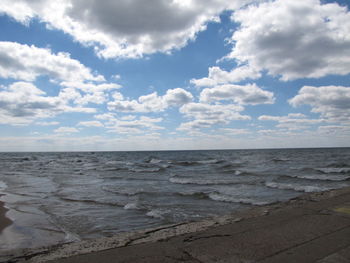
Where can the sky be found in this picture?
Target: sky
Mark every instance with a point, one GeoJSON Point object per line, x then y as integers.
{"type": "Point", "coordinates": [92, 75]}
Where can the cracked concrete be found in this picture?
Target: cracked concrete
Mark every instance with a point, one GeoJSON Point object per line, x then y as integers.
{"type": "Point", "coordinates": [311, 228]}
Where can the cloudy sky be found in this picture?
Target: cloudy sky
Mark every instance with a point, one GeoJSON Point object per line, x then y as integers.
{"type": "Point", "coordinates": [173, 74]}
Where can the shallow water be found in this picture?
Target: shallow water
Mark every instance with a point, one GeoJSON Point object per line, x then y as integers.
{"type": "Point", "coordinates": [61, 197]}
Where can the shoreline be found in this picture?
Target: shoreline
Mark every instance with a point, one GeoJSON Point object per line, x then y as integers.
{"type": "Point", "coordinates": [4, 221]}
{"type": "Point", "coordinates": [322, 203]}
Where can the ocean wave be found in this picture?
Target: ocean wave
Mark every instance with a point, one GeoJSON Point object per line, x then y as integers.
{"type": "Point", "coordinates": [186, 180]}
{"type": "Point", "coordinates": [196, 162]}
{"type": "Point", "coordinates": [3, 186]}
{"type": "Point", "coordinates": [154, 161]}
{"type": "Point", "coordinates": [329, 170]}
{"type": "Point", "coordinates": [301, 188]}
{"type": "Point", "coordinates": [132, 206]}
{"type": "Point", "coordinates": [122, 190]}
{"type": "Point", "coordinates": [146, 170]}
{"type": "Point", "coordinates": [320, 177]}
{"type": "Point", "coordinates": [279, 160]}
{"type": "Point", "coordinates": [210, 161]}
{"type": "Point", "coordinates": [157, 213]}
{"type": "Point", "coordinates": [196, 194]}
{"type": "Point", "coordinates": [229, 167]}
{"type": "Point", "coordinates": [339, 164]}
{"type": "Point", "coordinates": [91, 201]}
{"type": "Point", "coordinates": [114, 163]}
{"type": "Point", "coordinates": [235, 199]}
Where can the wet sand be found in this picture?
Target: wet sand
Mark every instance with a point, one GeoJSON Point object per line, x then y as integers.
{"type": "Point", "coordinates": [4, 221]}
{"type": "Point", "coordinates": [311, 228]}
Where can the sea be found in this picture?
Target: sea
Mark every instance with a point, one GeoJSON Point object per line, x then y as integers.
{"type": "Point", "coordinates": [64, 197]}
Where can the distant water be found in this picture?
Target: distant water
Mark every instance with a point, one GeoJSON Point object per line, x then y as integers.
{"type": "Point", "coordinates": [61, 197]}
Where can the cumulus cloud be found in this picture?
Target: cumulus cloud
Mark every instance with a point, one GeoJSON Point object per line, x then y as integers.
{"type": "Point", "coordinates": [47, 123]}
{"type": "Point", "coordinates": [232, 131]}
{"type": "Point", "coordinates": [207, 115]}
{"type": "Point", "coordinates": [332, 102]}
{"type": "Point", "coordinates": [123, 28]}
{"type": "Point", "coordinates": [293, 121]}
{"type": "Point", "coordinates": [23, 62]}
{"type": "Point", "coordinates": [288, 39]}
{"type": "Point", "coordinates": [151, 102]}
{"type": "Point", "coordinates": [334, 130]}
{"type": "Point", "coordinates": [247, 94]}
{"type": "Point", "coordinates": [84, 93]}
{"type": "Point", "coordinates": [133, 125]}
{"type": "Point", "coordinates": [90, 124]}
{"type": "Point", "coordinates": [293, 39]}
{"type": "Point", "coordinates": [66, 130]}
{"type": "Point", "coordinates": [218, 76]}
{"type": "Point", "coordinates": [23, 102]}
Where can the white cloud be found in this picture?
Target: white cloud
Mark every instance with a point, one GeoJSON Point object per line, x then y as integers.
{"type": "Point", "coordinates": [293, 121]}
{"type": "Point", "coordinates": [332, 102]}
{"type": "Point", "coordinates": [334, 130]}
{"type": "Point", "coordinates": [293, 39]}
{"type": "Point", "coordinates": [116, 76]}
{"type": "Point", "coordinates": [23, 62]}
{"type": "Point", "coordinates": [84, 93]}
{"type": "Point", "coordinates": [123, 28]}
{"type": "Point", "coordinates": [66, 130]}
{"type": "Point", "coordinates": [206, 115]}
{"type": "Point", "coordinates": [90, 124]}
{"type": "Point", "coordinates": [91, 87]}
{"type": "Point", "coordinates": [151, 102]}
{"type": "Point", "coordinates": [232, 131]}
{"type": "Point", "coordinates": [218, 76]}
{"type": "Point", "coordinates": [288, 39]}
{"type": "Point", "coordinates": [47, 123]}
{"type": "Point", "coordinates": [134, 125]}
{"type": "Point", "coordinates": [247, 94]}
{"type": "Point", "coordinates": [21, 103]}
{"type": "Point", "coordinates": [177, 97]}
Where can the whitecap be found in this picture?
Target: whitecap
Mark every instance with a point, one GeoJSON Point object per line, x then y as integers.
{"type": "Point", "coordinates": [334, 170]}
{"type": "Point", "coordinates": [155, 161]}
{"type": "Point", "coordinates": [235, 199]}
{"type": "Point", "coordinates": [145, 170]}
{"type": "Point", "coordinates": [3, 185]}
{"type": "Point", "coordinates": [156, 213]}
{"type": "Point", "coordinates": [299, 188]}
{"type": "Point", "coordinates": [131, 206]}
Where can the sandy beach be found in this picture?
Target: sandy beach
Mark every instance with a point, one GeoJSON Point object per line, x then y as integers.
{"type": "Point", "coordinates": [4, 221]}
{"type": "Point", "coordinates": [311, 228]}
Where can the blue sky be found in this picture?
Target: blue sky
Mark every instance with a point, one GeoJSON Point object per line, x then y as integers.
{"type": "Point", "coordinates": [167, 75]}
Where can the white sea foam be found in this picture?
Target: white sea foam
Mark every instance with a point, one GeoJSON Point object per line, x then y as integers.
{"type": "Point", "coordinates": [182, 180]}
{"type": "Point", "coordinates": [233, 180]}
{"type": "Point", "coordinates": [334, 170]}
{"type": "Point", "coordinates": [237, 172]}
{"type": "Point", "coordinates": [3, 185]}
{"type": "Point", "coordinates": [145, 170]}
{"type": "Point", "coordinates": [324, 177]}
{"type": "Point", "coordinates": [235, 199]}
{"type": "Point", "coordinates": [155, 161]}
{"type": "Point", "coordinates": [131, 206]}
{"type": "Point", "coordinates": [299, 188]}
{"type": "Point", "coordinates": [156, 213]}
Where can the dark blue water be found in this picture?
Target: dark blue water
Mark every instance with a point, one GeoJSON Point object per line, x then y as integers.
{"type": "Point", "coordinates": [60, 197]}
